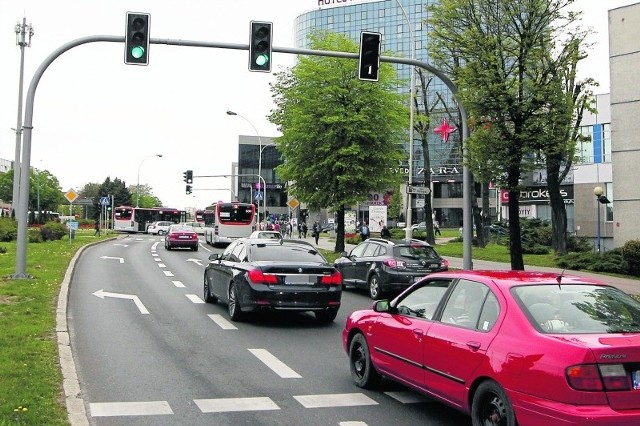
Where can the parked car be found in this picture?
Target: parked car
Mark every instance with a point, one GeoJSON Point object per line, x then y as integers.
{"type": "Point", "coordinates": [181, 236]}
{"type": "Point", "coordinates": [507, 347]}
{"type": "Point", "coordinates": [254, 275]}
{"type": "Point", "coordinates": [328, 227]}
{"type": "Point", "coordinates": [422, 226]}
{"type": "Point", "coordinates": [388, 266]}
{"type": "Point", "coordinates": [270, 235]}
{"type": "Point", "coordinates": [401, 225]}
{"type": "Point", "coordinates": [159, 228]}
{"type": "Point", "coordinates": [197, 226]}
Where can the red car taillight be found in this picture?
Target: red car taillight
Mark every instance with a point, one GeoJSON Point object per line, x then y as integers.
{"type": "Point", "coordinates": [591, 377]}
{"type": "Point", "coordinates": [445, 263]}
{"type": "Point", "coordinates": [398, 264]}
{"type": "Point", "coordinates": [258, 277]}
{"type": "Point", "coordinates": [333, 279]}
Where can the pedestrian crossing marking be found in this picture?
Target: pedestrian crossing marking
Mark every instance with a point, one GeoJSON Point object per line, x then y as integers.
{"type": "Point", "coordinates": [146, 408]}
{"type": "Point", "coordinates": [334, 400]}
{"type": "Point", "coordinates": [223, 405]}
{"type": "Point", "coordinates": [168, 273]}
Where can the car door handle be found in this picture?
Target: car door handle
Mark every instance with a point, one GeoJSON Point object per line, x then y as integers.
{"type": "Point", "coordinates": [474, 345]}
{"type": "Point", "coordinates": [418, 332]}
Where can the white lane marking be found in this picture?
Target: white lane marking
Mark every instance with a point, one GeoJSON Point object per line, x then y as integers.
{"type": "Point", "coordinates": [178, 284]}
{"type": "Point", "coordinates": [221, 405]}
{"type": "Point", "coordinates": [168, 273]}
{"type": "Point", "coordinates": [148, 408]}
{"type": "Point", "coordinates": [223, 323]}
{"type": "Point", "coordinates": [275, 364]}
{"type": "Point", "coordinates": [157, 259]}
{"type": "Point", "coordinates": [162, 265]}
{"type": "Point", "coordinates": [194, 298]}
{"type": "Point", "coordinates": [354, 423]}
{"type": "Point", "coordinates": [102, 294]}
{"type": "Point", "coordinates": [408, 397]}
{"type": "Point", "coordinates": [334, 400]}
{"type": "Point", "coordinates": [120, 259]}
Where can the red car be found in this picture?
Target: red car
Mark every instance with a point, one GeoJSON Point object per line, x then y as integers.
{"type": "Point", "coordinates": [181, 236]}
{"type": "Point", "coordinates": [507, 347]}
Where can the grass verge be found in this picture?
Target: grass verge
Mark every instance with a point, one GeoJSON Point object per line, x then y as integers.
{"type": "Point", "coordinates": [30, 378]}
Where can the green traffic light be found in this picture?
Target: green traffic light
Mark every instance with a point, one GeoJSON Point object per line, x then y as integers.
{"type": "Point", "coordinates": [262, 60]}
{"type": "Point", "coordinates": [137, 51]}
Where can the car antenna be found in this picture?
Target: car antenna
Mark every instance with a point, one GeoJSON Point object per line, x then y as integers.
{"type": "Point", "coordinates": [559, 279]}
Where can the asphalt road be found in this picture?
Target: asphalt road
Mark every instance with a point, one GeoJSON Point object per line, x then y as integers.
{"type": "Point", "coordinates": [148, 351]}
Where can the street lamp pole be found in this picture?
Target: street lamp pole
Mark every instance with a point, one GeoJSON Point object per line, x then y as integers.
{"type": "Point", "coordinates": [412, 92]}
{"type": "Point", "coordinates": [138, 182]}
{"type": "Point", "coordinates": [598, 191]}
{"type": "Point", "coordinates": [264, 190]}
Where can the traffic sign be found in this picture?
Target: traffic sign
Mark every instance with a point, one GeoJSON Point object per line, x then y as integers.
{"type": "Point", "coordinates": [259, 195]}
{"type": "Point", "coordinates": [71, 195]}
{"type": "Point", "coordinates": [104, 201]}
{"type": "Point", "coordinates": [419, 190]}
{"type": "Point", "coordinates": [293, 203]}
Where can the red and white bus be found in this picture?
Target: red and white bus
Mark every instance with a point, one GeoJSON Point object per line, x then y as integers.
{"type": "Point", "coordinates": [199, 216]}
{"type": "Point", "coordinates": [225, 222]}
{"type": "Point", "coordinates": [137, 219]}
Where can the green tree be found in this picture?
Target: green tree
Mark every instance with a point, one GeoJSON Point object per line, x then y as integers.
{"type": "Point", "coordinates": [340, 135]}
{"type": "Point", "coordinates": [116, 189]}
{"type": "Point", "coordinates": [394, 209]}
{"type": "Point", "coordinates": [503, 57]}
{"type": "Point", "coordinates": [44, 191]}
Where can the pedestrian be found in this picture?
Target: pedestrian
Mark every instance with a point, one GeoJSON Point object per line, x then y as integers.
{"type": "Point", "coordinates": [316, 231]}
{"type": "Point", "coordinates": [97, 228]}
{"type": "Point", "coordinates": [364, 232]}
{"type": "Point", "coordinates": [436, 227]}
{"type": "Point", "coordinates": [304, 229]}
{"type": "Point", "coordinates": [299, 230]}
{"type": "Point", "coordinates": [385, 233]}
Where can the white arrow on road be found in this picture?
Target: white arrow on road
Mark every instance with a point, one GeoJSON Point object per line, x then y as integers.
{"type": "Point", "coordinates": [198, 261]}
{"type": "Point", "coordinates": [102, 294]}
{"type": "Point", "coordinates": [109, 257]}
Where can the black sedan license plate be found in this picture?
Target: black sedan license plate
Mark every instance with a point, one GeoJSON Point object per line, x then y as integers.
{"type": "Point", "coordinates": [298, 279]}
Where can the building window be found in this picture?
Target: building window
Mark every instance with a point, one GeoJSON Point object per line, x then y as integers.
{"type": "Point", "coordinates": [381, 13]}
{"type": "Point", "coordinates": [606, 143]}
{"type": "Point", "coordinates": [584, 148]}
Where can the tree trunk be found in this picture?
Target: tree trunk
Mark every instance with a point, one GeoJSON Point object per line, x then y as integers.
{"type": "Point", "coordinates": [558, 210]}
{"type": "Point", "coordinates": [340, 230]}
{"type": "Point", "coordinates": [515, 236]}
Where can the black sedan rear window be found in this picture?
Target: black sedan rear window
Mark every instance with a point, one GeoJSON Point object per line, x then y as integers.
{"type": "Point", "coordinates": [285, 253]}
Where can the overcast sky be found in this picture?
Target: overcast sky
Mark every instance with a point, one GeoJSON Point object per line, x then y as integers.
{"type": "Point", "coordinates": [96, 117]}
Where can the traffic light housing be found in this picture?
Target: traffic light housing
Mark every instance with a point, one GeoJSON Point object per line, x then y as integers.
{"type": "Point", "coordinates": [188, 189]}
{"type": "Point", "coordinates": [137, 39]}
{"type": "Point", "coordinates": [369, 61]}
{"type": "Point", "coordinates": [188, 176]}
{"type": "Point", "coordinates": [260, 46]}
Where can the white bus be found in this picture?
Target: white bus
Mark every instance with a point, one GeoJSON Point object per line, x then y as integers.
{"type": "Point", "coordinates": [225, 222]}
{"type": "Point", "coordinates": [137, 219]}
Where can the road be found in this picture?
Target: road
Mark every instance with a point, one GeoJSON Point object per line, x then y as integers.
{"type": "Point", "coordinates": [148, 351]}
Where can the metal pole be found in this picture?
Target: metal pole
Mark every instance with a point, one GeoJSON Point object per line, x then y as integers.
{"type": "Point", "coordinates": [412, 92]}
{"type": "Point", "coordinates": [264, 190]}
{"type": "Point", "coordinates": [138, 183]}
{"type": "Point", "coordinates": [598, 223]}
{"type": "Point", "coordinates": [21, 40]}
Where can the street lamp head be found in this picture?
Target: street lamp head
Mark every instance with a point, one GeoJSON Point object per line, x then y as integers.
{"type": "Point", "coordinates": [231, 113]}
{"type": "Point", "coordinates": [158, 155]}
{"type": "Point", "coordinates": [598, 191]}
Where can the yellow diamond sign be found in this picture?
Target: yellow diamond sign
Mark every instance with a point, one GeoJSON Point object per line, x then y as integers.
{"type": "Point", "coordinates": [293, 203]}
{"type": "Point", "coordinates": [71, 195]}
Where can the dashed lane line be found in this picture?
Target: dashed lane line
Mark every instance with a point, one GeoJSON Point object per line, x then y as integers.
{"type": "Point", "coordinates": [194, 298]}
{"type": "Point", "coordinates": [223, 323]}
{"type": "Point", "coordinates": [178, 284]}
{"type": "Point", "coordinates": [277, 366]}
{"type": "Point", "coordinates": [168, 273]}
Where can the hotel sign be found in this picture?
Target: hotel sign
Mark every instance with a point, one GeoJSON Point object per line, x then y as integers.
{"type": "Point", "coordinates": [325, 4]}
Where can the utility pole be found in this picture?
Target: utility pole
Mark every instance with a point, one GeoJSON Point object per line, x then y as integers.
{"type": "Point", "coordinates": [22, 31]}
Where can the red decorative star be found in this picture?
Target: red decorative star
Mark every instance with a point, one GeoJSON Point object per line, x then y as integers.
{"type": "Point", "coordinates": [444, 130]}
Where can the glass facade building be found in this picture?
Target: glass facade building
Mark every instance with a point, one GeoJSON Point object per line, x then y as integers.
{"type": "Point", "coordinates": [396, 20]}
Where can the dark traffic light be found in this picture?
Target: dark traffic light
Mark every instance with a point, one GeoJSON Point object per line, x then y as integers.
{"type": "Point", "coordinates": [188, 176]}
{"type": "Point", "coordinates": [137, 39]}
{"type": "Point", "coordinates": [188, 189]}
{"type": "Point", "coordinates": [260, 46]}
{"type": "Point", "coordinates": [369, 63]}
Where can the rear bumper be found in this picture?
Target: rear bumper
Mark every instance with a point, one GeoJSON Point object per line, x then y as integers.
{"type": "Point", "coordinates": [263, 298]}
{"type": "Point", "coordinates": [535, 411]}
{"type": "Point", "coordinates": [398, 280]}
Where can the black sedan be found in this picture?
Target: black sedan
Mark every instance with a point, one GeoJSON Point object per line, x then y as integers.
{"type": "Point", "coordinates": [255, 275]}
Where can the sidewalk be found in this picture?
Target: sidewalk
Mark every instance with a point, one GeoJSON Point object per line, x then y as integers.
{"type": "Point", "coordinates": [628, 285]}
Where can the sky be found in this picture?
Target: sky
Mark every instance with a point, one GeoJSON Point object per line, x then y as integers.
{"type": "Point", "coordinates": [95, 117]}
